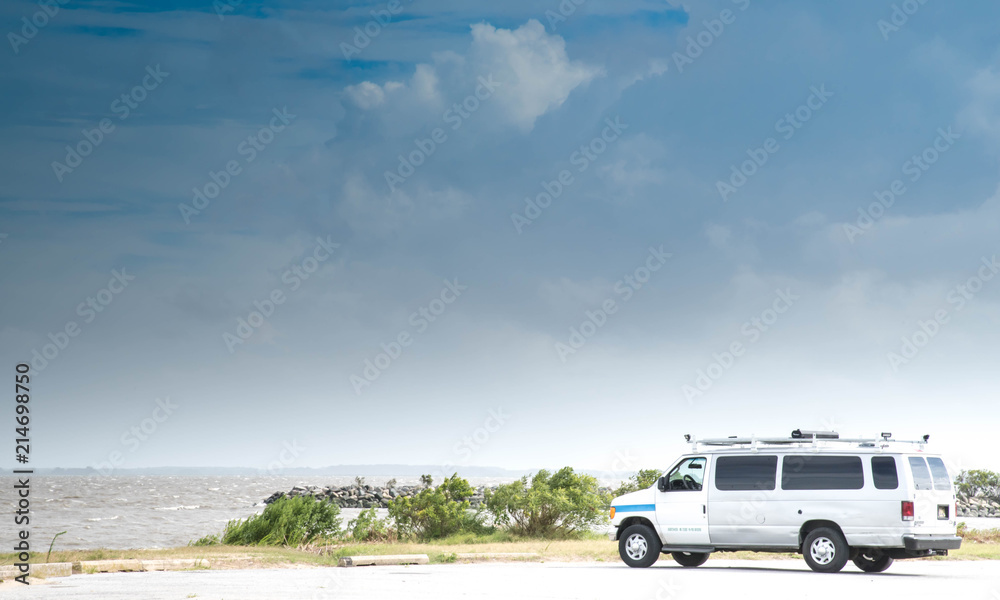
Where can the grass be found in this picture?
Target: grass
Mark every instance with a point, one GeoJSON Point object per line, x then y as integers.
{"type": "Point", "coordinates": [977, 545]}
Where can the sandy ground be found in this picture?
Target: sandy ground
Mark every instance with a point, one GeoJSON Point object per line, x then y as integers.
{"type": "Point", "coordinates": [747, 580]}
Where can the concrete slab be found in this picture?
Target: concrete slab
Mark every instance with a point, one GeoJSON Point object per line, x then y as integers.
{"type": "Point", "coordinates": [38, 570]}
{"type": "Point", "coordinates": [175, 564]}
{"type": "Point", "coordinates": [110, 566]}
{"type": "Point", "coordinates": [388, 559]}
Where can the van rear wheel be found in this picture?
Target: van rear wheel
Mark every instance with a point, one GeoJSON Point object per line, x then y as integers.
{"type": "Point", "coordinates": [639, 546]}
{"type": "Point", "coordinates": [690, 559]}
{"type": "Point", "coordinates": [872, 561]}
{"type": "Point", "coordinates": [825, 550]}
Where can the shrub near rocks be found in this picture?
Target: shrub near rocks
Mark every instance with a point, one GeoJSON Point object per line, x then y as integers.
{"type": "Point", "coordinates": [552, 506]}
{"type": "Point", "coordinates": [434, 512]}
{"type": "Point", "coordinates": [978, 493]}
{"type": "Point", "coordinates": [287, 522]}
{"type": "Point", "coordinates": [369, 528]}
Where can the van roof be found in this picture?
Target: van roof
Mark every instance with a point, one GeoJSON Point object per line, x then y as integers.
{"type": "Point", "coordinates": [809, 449]}
{"type": "Point", "coordinates": [809, 441]}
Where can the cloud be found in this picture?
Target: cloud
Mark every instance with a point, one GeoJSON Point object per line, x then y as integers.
{"type": "Point", "coordinates": [533, 72]}
{"type": "Point", "coordinates": [543, 75]}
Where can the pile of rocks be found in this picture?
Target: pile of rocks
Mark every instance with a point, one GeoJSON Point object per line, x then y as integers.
{"type": "Point", "coordinates": [362, 495]}
{"type": "Point", "coordinates": [977, 507]}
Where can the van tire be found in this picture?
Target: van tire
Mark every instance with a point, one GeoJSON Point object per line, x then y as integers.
{"type": "Point", "coordinates": [690, 559]}
{"type": "Point", "coordinates": [872, 561]}
{"type": "Point", "coordinates": [825, 550]}
{"type": "Point", "coordinates": [639, 546]}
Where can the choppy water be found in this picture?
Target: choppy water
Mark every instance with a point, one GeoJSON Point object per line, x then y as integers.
{"type": "Point", "coordinates": [165, 512]}
{"type": "Point", "coordinates": [151, 511]}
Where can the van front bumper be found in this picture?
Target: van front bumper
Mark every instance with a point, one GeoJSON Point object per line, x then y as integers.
{"type": "Point", "coordinates": [926, 542]}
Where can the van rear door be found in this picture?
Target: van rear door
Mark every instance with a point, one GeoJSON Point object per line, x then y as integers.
{"type": "Point", "coordinates": [933, 496]}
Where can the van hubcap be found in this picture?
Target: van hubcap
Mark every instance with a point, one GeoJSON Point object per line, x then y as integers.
{"type": "Point", "coordinates": [823, 551]}
{"type": "Point", "coordinates": [635, 546]}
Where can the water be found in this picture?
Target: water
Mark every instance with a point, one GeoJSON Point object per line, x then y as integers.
{"type": "Point", "coordinates": [152, 511]}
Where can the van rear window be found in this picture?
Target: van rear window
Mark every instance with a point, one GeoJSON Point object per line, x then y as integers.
{"type": "Point", "coordinates": [822, 473]}
{"type": "Point", "coordinates": [746, 472]}
{"type": "Point", "coordinates": [942, 481]}
{"type": "Point", "coordinates": [884, 473]}
{"type": "Point", "coordinates": [921, 476]}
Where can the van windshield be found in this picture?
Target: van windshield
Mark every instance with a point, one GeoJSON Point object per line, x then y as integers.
{"type": "Point", "coordinates": [942, 481]}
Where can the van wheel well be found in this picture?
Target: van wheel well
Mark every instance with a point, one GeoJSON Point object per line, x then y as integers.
{"type": "Point", "coordinates": [633, 521]}
{"type": "Point", "coordinates": [809, 526]}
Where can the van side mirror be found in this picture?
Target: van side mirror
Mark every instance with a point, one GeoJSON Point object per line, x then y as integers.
{"type": "Point", "coordinates": [661, 483]}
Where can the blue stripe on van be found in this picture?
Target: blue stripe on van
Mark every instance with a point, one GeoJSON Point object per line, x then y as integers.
{"type": "Point", "coordinates": [635, 507]}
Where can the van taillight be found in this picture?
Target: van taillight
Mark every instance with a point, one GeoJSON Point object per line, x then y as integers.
{"type": "Point", "coordinates": [907, 510]}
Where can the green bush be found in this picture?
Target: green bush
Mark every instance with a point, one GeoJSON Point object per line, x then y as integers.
{"type": "Point", "coordinates": [369, 528]}
{"type": "Point", "coordinates": [434, 512]}
{"type": "Point", "coordinates": [208, 540]}
{"type": "Point", "coordinates": [552, 506]}
{"type": "Point", "coordinates": [286, 522]}
{"type": "Point", "coordinates": [979, 482]}
{"type": "Point", "coordinates": [642, 480]}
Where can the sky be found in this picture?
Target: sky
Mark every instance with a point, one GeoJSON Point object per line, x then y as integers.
{"type": "Point", "coordinates": [517, 234]}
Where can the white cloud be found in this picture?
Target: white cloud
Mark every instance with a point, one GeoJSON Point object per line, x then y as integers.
{"type": "Point", "coordinates": [533, 71]}
{"type": "Point", "coordinates": [542, 74]}
{"type": "Point", "coordinates": [368, 95]}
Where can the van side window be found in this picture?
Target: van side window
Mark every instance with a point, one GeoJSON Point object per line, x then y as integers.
{"type": "Point", "coordinates": [942, 481]}
{"type": "Point", "coordinates": [688, 475]}
{"type": "Point", "coordinates": [921, 476]}
{"type": "Point", "coordinates": [884, 473]}
{"type": "Point", "coordinates": [746, 472]}
{"type": "Point", "coordinates": [822, 473]}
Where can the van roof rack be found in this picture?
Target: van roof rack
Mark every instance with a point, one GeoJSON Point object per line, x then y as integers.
{"type": "Point", "coordinates": [800, 437]}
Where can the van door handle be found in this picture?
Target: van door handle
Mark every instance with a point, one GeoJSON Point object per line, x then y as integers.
{"type": "Point", "coordinates": [704, 510]}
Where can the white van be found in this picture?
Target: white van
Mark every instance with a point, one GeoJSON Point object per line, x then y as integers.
{"type": "Point", "coordinates": [829, 499]}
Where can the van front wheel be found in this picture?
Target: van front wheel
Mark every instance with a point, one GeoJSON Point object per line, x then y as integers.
{"type": "Point", "coordinates": [872, 561]}
{"type": "Point", "coordinates": [690, 559]}
{"type": "Point", "coordinates": [825, 550]}
{"type": "Point", "coordinates": [639, 546]}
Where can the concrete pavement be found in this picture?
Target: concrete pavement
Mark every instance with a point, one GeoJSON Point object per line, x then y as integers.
{"type": "Point", "coordinates": [742, 580]}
